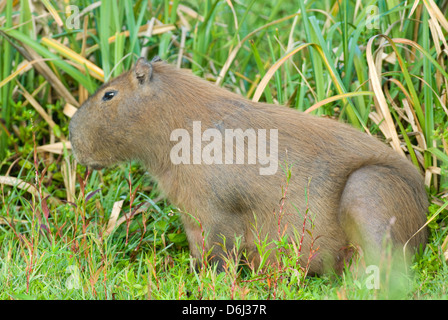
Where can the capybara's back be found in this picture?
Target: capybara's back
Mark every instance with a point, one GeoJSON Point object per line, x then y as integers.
{"type": "Point", "coordinates": [224, 161]}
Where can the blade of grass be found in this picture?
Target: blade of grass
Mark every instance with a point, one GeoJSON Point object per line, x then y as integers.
{"type": "Point", "coordinates": [57, 148]}
{"type": "Point", "coordinates": [353, 114]}
{"type": "Point", "coordinates": [161, 29]}
{"type": "Point", "coordinates": [31, 55]}
{"type": "Point", "coordinates": [134, 44]}
{"type": "Point", "coordinates": [261, 70]}
{"type": "Point", "coordinates": [435, 13]}
{"type": "Point", "coordinates": [263, 83]}
{"type": "Point", "coordinates": [380, 100]}
{"type": "Point", "coordinates": [316, 63]}
{"type": "Point", "coordinates": [41, 111]}
{"type": "Point", "coordinates": [427, 93]}
{"type": "Point", "coordinates": [104, 35]}
{"type": "Point", "coordinates": [45, 53]}
{"type": "Point", "coordinates": [6, 56]}
{"type": "Point", "coordinates": [20, 184]}
{"type": "Point", "coordinates": [278, 80]}
{"type": "Point", "coordinates": [406, 139]}
{"type": "Point", "coordinates": [53, 12]}
{"type": "Point", "coordinates": [435, 215]}
{"type": "Point", "coordinates": [23, 67]}
{"type": "Point", "coordinates": [94, 70]}
{"type": "Point", "coordinates": [270, 73]}
{"type": "Point", "coordinates": [234, 52]}
{"type": "Point", "coordinates": [336, 98]}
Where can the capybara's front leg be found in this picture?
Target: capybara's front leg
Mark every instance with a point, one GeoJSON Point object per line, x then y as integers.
{"type": "Point", "coordinates": [209, 242]}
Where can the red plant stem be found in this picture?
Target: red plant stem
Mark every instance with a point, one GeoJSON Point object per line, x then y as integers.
{"type": "Point", "coordinates": [131, 200]}
{"type": "Point", "coordinates": [105, 276]}
{"type": "Point", "coordinates": [154, 262]}
{"type": "Point", "coordinates": [304, 222]}
{"type": "Point", "coordinates": [143, 233]}
{"type": "Point", "coordinates": [281, 213]}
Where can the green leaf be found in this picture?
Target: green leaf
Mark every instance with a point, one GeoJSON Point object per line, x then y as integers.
{"type": "Point", "coordinates": [177, 238]}
{"type": "Point", "coordinates": [57, 131]}
{"type": "Point", "coordinates": [161, 225]}
{"type": "Point", "coordinates": [439, 154]}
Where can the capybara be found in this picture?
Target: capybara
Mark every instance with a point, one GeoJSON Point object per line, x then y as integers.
{"type": "Point", "coordinates": [348, 187]}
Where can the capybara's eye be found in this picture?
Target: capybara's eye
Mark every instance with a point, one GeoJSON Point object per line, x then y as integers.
{"type": "Point", "coordinates": [109, 95]}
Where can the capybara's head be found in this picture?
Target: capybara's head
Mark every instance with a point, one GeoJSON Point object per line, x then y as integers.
{"type": "Point", "coordinates": [108, 126]}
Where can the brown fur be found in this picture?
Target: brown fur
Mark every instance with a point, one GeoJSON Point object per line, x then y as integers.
{"type": "Point", "coordinates": [353, 185]}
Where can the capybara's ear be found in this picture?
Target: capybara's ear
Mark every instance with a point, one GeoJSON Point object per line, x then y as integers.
{"type": "Point", "coordinates": [143, 70]}
{"type": "Point", "coordinates": [156, 59]}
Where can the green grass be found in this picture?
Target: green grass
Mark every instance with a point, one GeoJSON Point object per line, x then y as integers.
{"type": "Point", "coordinates": [55, 240]}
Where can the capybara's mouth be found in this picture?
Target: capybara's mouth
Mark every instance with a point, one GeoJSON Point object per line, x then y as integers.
{"type": "Point", "coordinates": [88, 164]}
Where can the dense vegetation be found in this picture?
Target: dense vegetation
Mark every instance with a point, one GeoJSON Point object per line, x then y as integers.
{"type": "Point", "coordinates": [66, 233]}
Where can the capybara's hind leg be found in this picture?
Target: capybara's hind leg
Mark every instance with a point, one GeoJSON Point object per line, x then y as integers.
{"type": "Point", "coordinates": [380, 206]}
